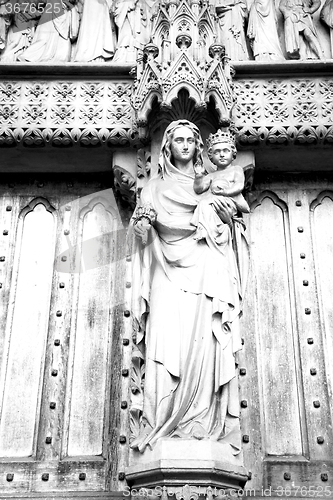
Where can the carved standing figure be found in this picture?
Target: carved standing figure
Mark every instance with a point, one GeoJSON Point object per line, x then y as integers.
{"type": "Point", "coordinates": [187, 300]}
{"type": "Point", "coordinates": [326, 15]}
{"type": "Point", "coordinates": [298, 25]}
{"type": "Point", "coordinates": [262, 31]}
{"type": "Point", "coordinates": [5, 20]}
{"type": "Point", "coordinates": [132, 19]}
{"type": "Point", "coordinates": [56, 30]}
{"type": "Point", "coordinates": [21, 32]}
{"type": "Point", "coordinates": [232, 15]}
{"type": "Point", "coordinates": [97, 38]}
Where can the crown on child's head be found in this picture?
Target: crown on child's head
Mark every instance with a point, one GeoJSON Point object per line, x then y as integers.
{"type": "Point", "coordinates": [222, 135]}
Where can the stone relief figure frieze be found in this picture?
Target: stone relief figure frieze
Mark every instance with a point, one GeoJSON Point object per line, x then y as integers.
{"type": "Point", "coordinates": [232, 15]}
{"type": "Point", "coordinates": [20, 34]}
{"type": "Point", "coordinates": [54, 35]}
{"type": "Point", "coordinates": [118, 31]}
{"type": "Point", "coordinates": [326, 15]}
{"type": "Point", "coordinates": [262, 31]}
{"type": "Point", "coordinates": [5, 20]}
{"type": "Point", "coordinates": [188, 292]}
{"type": "Point", "coordinates": [299, 29]}
{"type": "Point", "coordinates": [133, 19]}
{"type": "Point", "coordinates": [97, 39]}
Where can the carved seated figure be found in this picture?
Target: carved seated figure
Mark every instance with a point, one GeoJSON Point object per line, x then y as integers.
{"type": "Point", "coordinates": [226, 182]}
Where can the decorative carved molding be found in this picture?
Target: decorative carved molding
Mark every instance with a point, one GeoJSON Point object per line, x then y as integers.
{"type": "Point", "coordinates": [280, 111]}
{"type": "Point", "coordinates": [90, 113]}
{"type": "Point", "coordinates": [64, 113]}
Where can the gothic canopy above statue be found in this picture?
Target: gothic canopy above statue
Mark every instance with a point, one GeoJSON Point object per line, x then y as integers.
{"type": "Point", "coordinates": [184, 54]}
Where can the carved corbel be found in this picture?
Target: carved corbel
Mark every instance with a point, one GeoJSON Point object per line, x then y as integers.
{"type": "Point", "coordinates": [124, 185]}
{"type": "Point", "coordinates": [124, 168]}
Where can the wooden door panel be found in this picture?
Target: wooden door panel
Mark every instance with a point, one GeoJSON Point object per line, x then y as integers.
{"type": "Point", "coordinates": [288, 315]}
{"type": "Point", "coordinates": [27, 325]}
{"type": "Point", "coordinates": [91, 358]}
{"type": "Point", "coordinates": [64, 332]}
{"type": "Point", "coordinates": [275, 327]}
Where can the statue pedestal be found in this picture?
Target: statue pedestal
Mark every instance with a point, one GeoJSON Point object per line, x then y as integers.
{"type": "Point", "coordinates": [174, 463]}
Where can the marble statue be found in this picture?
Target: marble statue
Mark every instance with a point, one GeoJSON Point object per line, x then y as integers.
{"type": "Point", "coordinates": [132, 19]}
{"type": "Point", "coordinates": [20, 34]}
{"type": "Point", "coordinates": [227, 181]}
{"type": "Point", "coordinates": [55, 33]}
{"type": "Point", "coordinates": [326, 15]}
{"type": "Point", "coordinates": [187, 300]}
{"type": "Point", "coordinates": [231, 17]}
{"type": "Point", "coordinates": [5, 20]}
{"type": "Point", "coordinates": [299, 26]}
{"type": "Point", "coordinates": [262, 31]}
{"type": "Point", "coordinates": [97, 37]}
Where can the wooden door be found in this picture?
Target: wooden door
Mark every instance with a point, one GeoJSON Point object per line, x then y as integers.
{"type": "Point", "coordinates": [286, 367]}
{"type": "Point", "coordinates": [62, 305]}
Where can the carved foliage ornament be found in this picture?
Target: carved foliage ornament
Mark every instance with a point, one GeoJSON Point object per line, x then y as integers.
{"type": "Point", "coordinates": [66, 113]}
{"type": "Point", "coordinates": [284, 111]}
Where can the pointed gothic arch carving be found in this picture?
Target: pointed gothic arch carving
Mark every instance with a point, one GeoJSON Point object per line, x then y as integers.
{"type": "Point", "coordinates": [320, 198]}
{"type": "Point", "coordinates": [273, 197]}
{"type": "Point", "coordinates": [32, 205]}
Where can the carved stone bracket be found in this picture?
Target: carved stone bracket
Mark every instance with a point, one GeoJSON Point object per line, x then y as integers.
{"type": "Point", "coordinates": [125, 185]}
{"type": "Point", "coordinates": [174, 463]}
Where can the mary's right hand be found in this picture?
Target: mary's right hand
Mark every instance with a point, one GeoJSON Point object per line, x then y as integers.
{"type": "Point", "coordinates": [141, 229]}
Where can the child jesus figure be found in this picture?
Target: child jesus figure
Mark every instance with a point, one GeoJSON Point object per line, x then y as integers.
{"type": "Point", "coordinates": [226, 181]}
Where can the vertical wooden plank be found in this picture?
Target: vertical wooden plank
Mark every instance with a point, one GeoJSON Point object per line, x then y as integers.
{"type": "Point", "coordinates": [252, 417]}
{"type": "Point", "coordinates": [8, 224]}
{"type": "Point", "coordinates": [314, 380]}
{"type": "Point", "coordinates": [322, 235]}
{"type": "Point", "coordinates": [26, 333]}
{"type": "Point", "coordinates": [280, 398]}
{"type": "Point", "coordinates": [53, 401]}
{"type": "Point", "coordinates": [90, 368]}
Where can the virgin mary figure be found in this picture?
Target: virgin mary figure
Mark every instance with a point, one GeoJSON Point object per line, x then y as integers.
{"type": "Point", "coordinates": [187, 301]}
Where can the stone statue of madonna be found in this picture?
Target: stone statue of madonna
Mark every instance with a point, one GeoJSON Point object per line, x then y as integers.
{"type": "Point", "coordinates": [187, 301]}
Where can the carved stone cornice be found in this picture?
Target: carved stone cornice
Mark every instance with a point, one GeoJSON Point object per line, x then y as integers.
{"type": "Point", "coordinates": [72, 71]}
